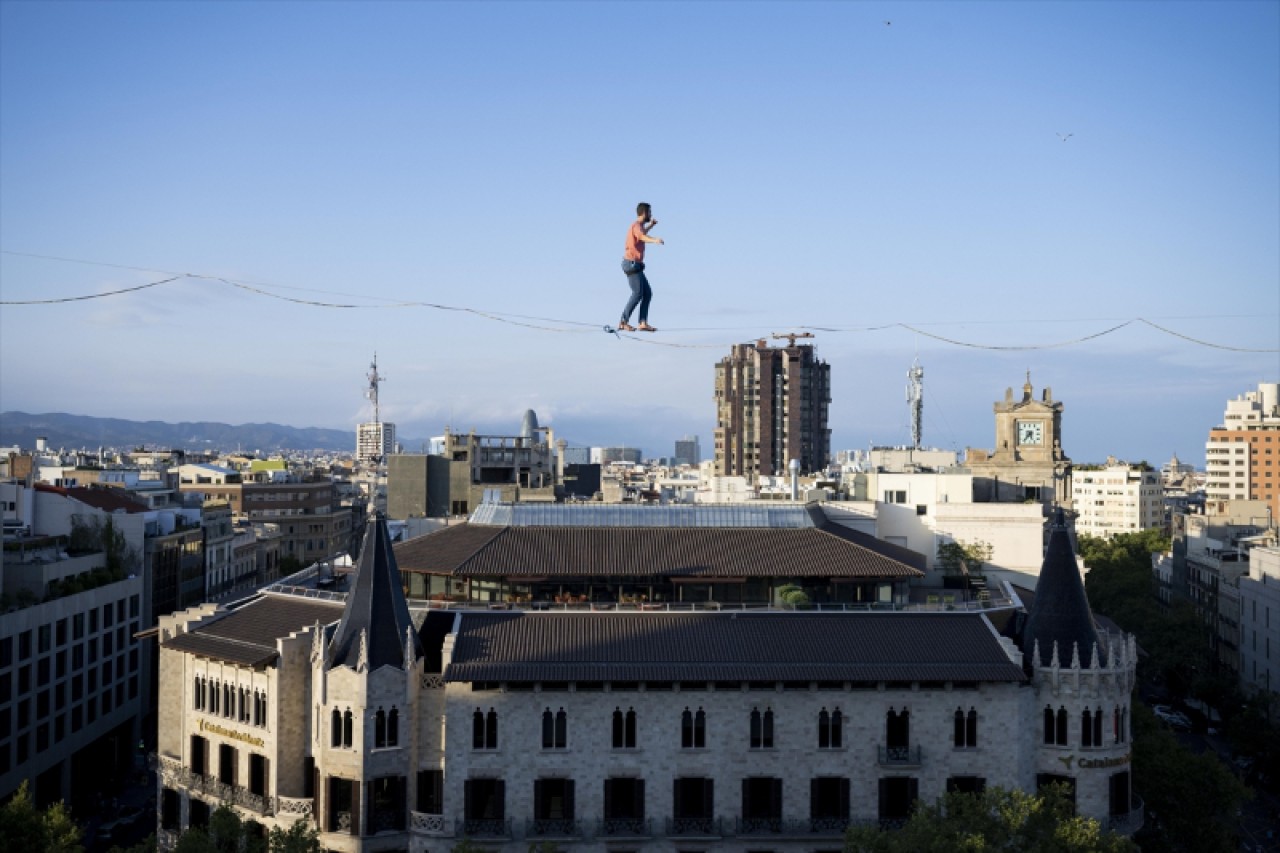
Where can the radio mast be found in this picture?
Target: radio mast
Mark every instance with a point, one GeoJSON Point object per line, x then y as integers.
{"type": "Point", "coordinates": [915, 401]}
{"type": "Point", "coordinates": [371, 393]}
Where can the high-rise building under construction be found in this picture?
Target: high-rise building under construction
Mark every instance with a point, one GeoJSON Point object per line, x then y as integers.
{"type": "Point", "coordinates": [771, 407]}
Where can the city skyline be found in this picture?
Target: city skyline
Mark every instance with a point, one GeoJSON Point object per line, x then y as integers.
{"type": "Point", "coordinates": [982, 173]}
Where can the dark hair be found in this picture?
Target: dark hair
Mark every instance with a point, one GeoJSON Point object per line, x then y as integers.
{"type": "Point", "coordinates": [643, 209]}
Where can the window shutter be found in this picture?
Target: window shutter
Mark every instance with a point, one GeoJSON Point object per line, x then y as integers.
{"type": "Point", "coordinates": [500, 791]}
{"type": "Point", "coordinates": [538, 798]}
{"type": "Point", "coordinates": [266, 777]}
{"type": "Point", "coordinates": [884, 797]}
{"type": "Point", "coordinates": [813, 798]}
{"type": "Point", "coordinates": [775, 798]}
{"type": "Point", "coordinates": [638, 788]}
{"type": "Point", "coordinates": [468, 799]}
{"type": "Point", "coordinates": [677, 806]}
{"type": "Point", "coordinates": [608, 798]}
{"type": "Point", "coordinates": [357, 805]}
{"type": "Point", "coordinates": [708, 796]}
{"type": "Point", "coordinates": [913, 790]}
{"type": "Point", "coordinates": [746, 798]}
{"type": "Point", "coordinates": [568, 800]}
{"type": "Point", "coordinates": [844, 798]}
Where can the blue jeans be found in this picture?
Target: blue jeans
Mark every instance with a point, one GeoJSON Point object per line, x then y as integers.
{"type": "Point", "coordinates": [641, 293]}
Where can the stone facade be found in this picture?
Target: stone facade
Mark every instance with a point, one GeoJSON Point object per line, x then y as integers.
{"type": "Point", "coordinates": [387, 750]}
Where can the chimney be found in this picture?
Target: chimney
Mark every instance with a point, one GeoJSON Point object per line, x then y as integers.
{"type": "Point", "coordinates": [795, 479]}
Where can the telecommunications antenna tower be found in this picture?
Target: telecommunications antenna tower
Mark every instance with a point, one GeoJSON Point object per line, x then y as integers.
{"type": "Point", "coordinates": [915, 401]}
{"type": "Point", "coordinates": [372, 392]}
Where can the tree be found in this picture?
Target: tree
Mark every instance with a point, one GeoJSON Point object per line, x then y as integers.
{"type": "Point", "coordinates": [225, 830]}
{"type": "Point", "coordinates": [959, 558]}
{"type": "Point", "coordinates": [195, 840]}
{"type": "Point", "coordinates": [24, 827]}
{"type": "Point", "coordinates": [994, 819]}
{"type": "Point", "coordinates": [1192, 799]}
{"type": "Point", "coordinates": [792, 594]}
{"type": "Point", "coordinates": [302, 837]}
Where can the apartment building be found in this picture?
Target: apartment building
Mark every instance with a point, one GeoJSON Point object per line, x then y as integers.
{"type": "Point", "coordinates": [771, 407]}
{"type": "Point", "coordinates": [1242, 455]}
{"type": "Point", "coordinates": [1116, 498]}
{"type": "Point", "coordinates": [375, 441]}
{"type": "Point", "coordinates": [311, 523]}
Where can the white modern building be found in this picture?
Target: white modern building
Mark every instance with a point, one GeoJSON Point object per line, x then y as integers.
{"type": "Point", "coordinates": [1117, 498]}
{"type": "Point", "coordinates": [375, 441]}
{"type": "Point", "coordinates": [1260, 621]}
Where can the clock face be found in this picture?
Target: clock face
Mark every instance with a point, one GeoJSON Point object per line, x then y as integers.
{"type": "Point", "coordinates": [1030, 432]}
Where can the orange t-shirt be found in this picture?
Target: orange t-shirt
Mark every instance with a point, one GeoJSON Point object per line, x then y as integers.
{"type": "Point", "coordinates": [634, 248]}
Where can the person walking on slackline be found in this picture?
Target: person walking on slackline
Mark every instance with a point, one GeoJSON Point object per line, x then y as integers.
{"type": "Point", "coordinates": [633, 268]}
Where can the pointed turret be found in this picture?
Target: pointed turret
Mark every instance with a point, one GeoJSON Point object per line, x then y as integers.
{"type": "Point", "coordinates": [374, 624]}
{"type": "Point", "coordinates": [1060, 615]}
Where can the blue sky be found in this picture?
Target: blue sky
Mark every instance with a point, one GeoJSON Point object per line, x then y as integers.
{"type": "Point", "coordinates": [809, 164]}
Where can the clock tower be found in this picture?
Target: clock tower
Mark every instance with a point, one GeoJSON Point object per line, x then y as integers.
{"type": "Point", "coordinates": [1027, 462]}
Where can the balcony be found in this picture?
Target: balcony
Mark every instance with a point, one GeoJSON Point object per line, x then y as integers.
{"type": "Point", "coordinates": [482, 827]}
{"type": "Point", "coordinates": [427, 824]}
{"type": "Point", "coordinates": [899, 756]}
{"type": "Point", "coordinates": [553, 828]}
{"type": "Point", "coordinates": [823, 827]}
{"type": "Point", "coordinates": [695, 826]}
{"type": "Point", "coordinates": [174, 775]}
{"type": "Point", "coordinates": [624, 827]}
{"type": "Point", "coordinates": [1129, 822]}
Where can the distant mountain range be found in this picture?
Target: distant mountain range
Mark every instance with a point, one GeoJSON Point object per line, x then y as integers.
{"type": "Point", "coordinates": [83, 431]}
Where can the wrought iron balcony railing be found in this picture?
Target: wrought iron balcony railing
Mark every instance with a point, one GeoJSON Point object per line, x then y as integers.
{"type": "Point", "coordinates": [484, 827]}
{"type": "Point", "coordinates": [900, 756]}
{"type": "Point", "coordinates": [627, 827]}
{"type": "Point", "coordinates": [694, 826]}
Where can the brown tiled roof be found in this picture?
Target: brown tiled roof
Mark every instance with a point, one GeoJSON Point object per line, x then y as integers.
{"type": "Point", "coordinates": [105, 499]}
{"type": "Point", "coordinates": [774, 646]}
{"type": "Point", "coordinates": [830, 551]}
{"type": "Point", "coordinates": [248, 634]}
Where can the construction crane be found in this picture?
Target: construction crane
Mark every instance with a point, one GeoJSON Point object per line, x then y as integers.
{"type": "Point", "coordinates": [791, 336]}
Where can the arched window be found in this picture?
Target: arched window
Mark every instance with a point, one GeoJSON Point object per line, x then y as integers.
{"type": "Point", "coordinates": [686, 729]}
{"type": "Point", "coordinates": [346, 729]}
{"type": "Point", "coordinates": [198, 694]}
{"type": "Point", "coordinates": [491, 730]}
{"type": "Point", "coordinates": [335, 735]}
{"type": "Point", "coordinates": [477, 729]}
{"type": "Point", "coordinates": [393, 727]}
{"type": "Point", "coordinates": [700, 729]}
{"type": "Point", "coordinates": [214, 694]}
{"type": "Point", "coordinates": [380, 729]}
{"type": "Point", "coordinates": [898, 729]}
{"type": "Point", "coordinates": [1048, 726]}
{"type": "Point", "coordinates": [830, 729]}
{"type": "Point", "coordinates": [1097, 727]}
{"type": "Point", "coordinates": [966, 728]}
{"type": "Point", "coordinates": [761, 729]}
{"type": "Point", "coordinates": [1086, 729]}
{"type": "Point", "coordinates": [1124, 724]}
{"type": "Point", "coordinates": [562, 729]}
{"type": "Point", "coordinates": [624, 729]}
{"type": "Point", "coordinates": [1061, 729]}
{"type": "Point", "coordinates": [549, 730]}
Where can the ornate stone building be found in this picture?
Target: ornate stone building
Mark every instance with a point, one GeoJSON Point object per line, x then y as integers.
{"type": "Point", "coordinates": [629, 729]}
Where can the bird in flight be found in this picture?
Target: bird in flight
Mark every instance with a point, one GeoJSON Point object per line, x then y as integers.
{"type": "Point", "coordinates": [888, 23]}
{"type": "Point", "coordinates": [1065, 136]}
